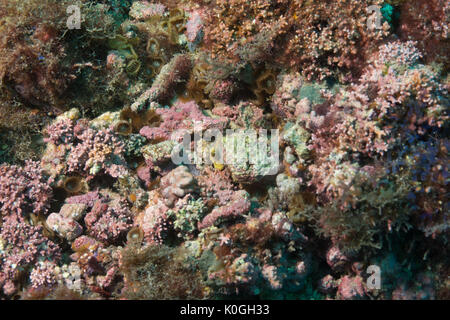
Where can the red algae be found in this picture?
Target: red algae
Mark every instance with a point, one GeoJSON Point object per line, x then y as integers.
{"type": "Point", "coordinates": [224, 149]}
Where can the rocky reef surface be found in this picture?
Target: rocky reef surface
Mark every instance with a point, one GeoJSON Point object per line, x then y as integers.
{"type": "Point", "coordinates": [117, 179]}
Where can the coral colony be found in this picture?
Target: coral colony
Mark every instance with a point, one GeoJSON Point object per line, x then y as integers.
{"type": "Point", "coordinates": [220, 149]}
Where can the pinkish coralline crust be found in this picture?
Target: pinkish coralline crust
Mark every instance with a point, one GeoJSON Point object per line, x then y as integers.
{"type": "Point", "coordinates": [60, 132]}
{"type": "Point", "coordinates": [223, 91]}
{"type": "Point", "coordinates": [65, 227]}
{"type": "Point", "coordinates": [87, 199]}
{"type": "Point", "coordinates": [194, 26]}
{"type": "Point", "coordinates": [236, 208]}
{"type": "Point", "coordinates": [284, 101]}
{"type": "Point", "coordinates": [84, 242]}
{"type": "Point", "coordinates": [181, 116]}
{"type": "Point", "coordinates": [224, 110]}
{"type": "Point", "coordinates": [154, 221]}
{"type": "Point", "coordinates": [24, 248]}
{"type": "Point", "coordinates": [144, 174]}
{"type": "Point", "coordinates": [73, 211]}
{"type": "Point", "coordinates": [97, 150]}
{"type": "Point", "coordinates": [361, 178]}
{"type": "Point", "coordinates": [24, 190]}
{"type": "Point", "coordinates": [143, 10]}
{"type": "Point", "coordinates": [217, 185]}
{"type": "Point", "coordinates": [249, 116]}
{"type": "Point", "coordinates": [351, 288]}
{"type": "Point", "coordinates": [107, 221]}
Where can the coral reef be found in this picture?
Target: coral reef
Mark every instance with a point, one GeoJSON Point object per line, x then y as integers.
{"type": "Point", "coordinates": [24, 190]}
{"type": "Point", "coordinates": [312, 138]}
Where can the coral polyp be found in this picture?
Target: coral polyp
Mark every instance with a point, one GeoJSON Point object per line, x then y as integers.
{"type": "Point", "coordinates": [123, 127]}
{"type": "Point", "coordinates": [73, 185]}
{"type": "Point", "coordinates": [224, 149]}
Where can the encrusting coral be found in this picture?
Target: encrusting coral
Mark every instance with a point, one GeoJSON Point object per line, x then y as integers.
{"type": "Point", "coordinates": [352, 171]}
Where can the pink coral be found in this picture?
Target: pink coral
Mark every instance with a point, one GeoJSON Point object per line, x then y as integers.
{"type": "Point", "coordinates": [97, 151]}
{"type": "Point", "coordinates": [43, 275]}
{"type": "Point", "coordinates": [107, 221]}
{"type": "Point", "coordinates": [24, 247]}
{"type": "Point", "coordinates": [24, 190]}
{"type": "Point", "coordinates": [217, 185]}
{"type": "Point", "coordinates": [154, 221]}
{"type": "Point", "coordinates": [351, 288]}
{"type": "Point", "coordinates": [60, 132]}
